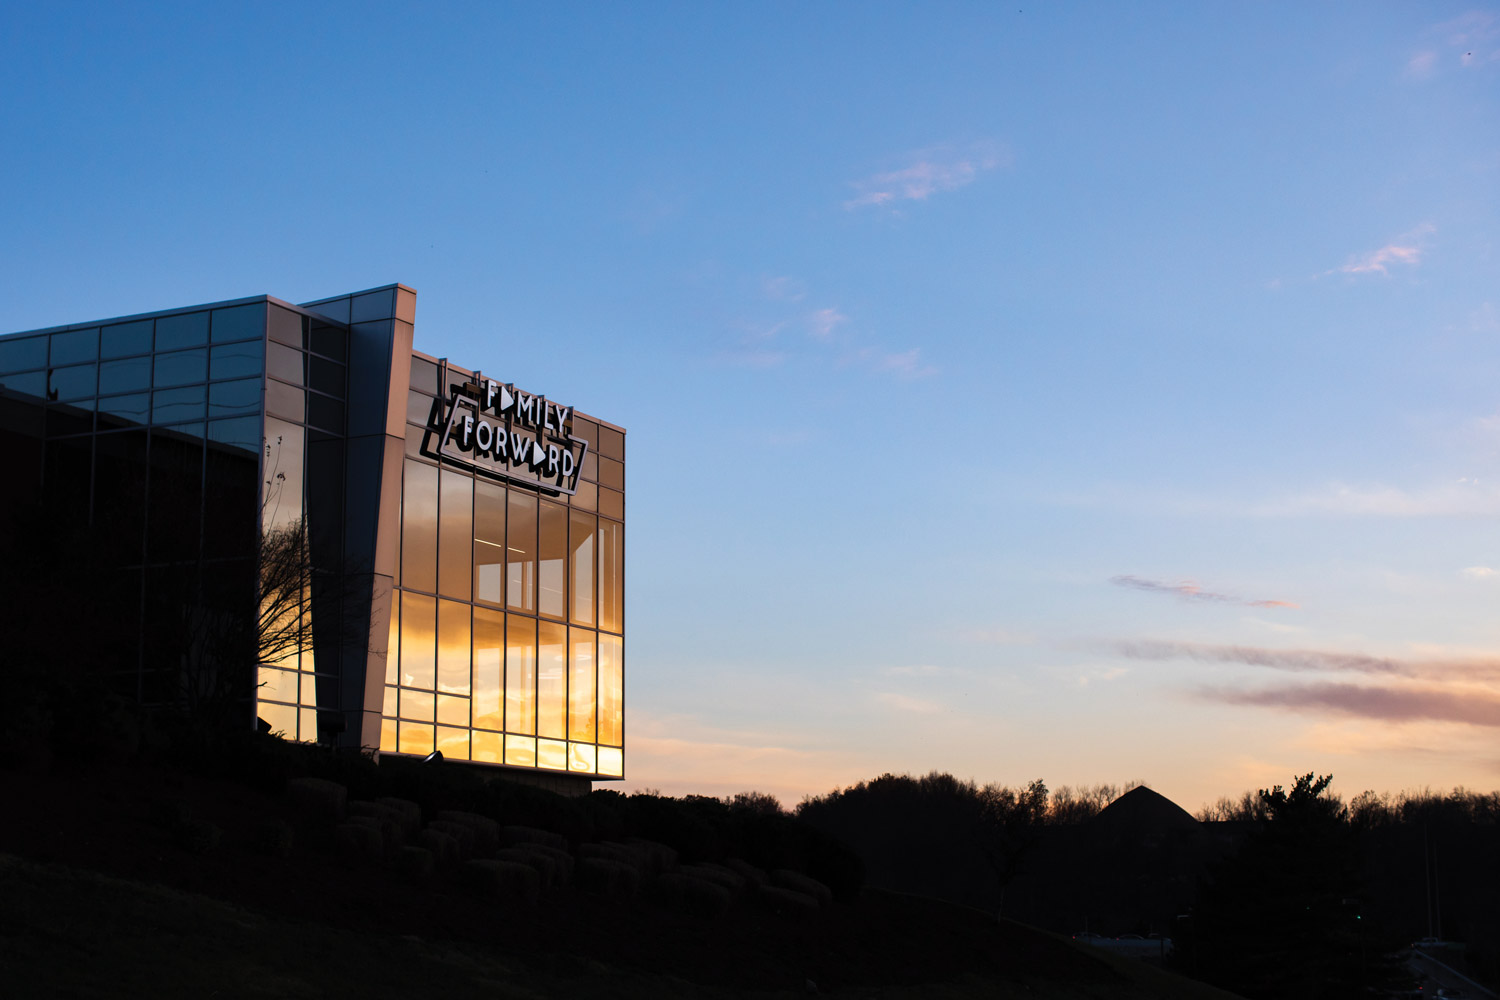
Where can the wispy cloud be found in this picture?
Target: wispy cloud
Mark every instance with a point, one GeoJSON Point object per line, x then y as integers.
{"type": "Point", "coordinates": [1257, 656]}
{"type": "Point", "coordinates": [784, 288]}
{"type": "Point", "coordinates": [1395, 689]}
{"type": "Point", "coordinates": [822, 323]}
{"type": "Point", "coordinates": [1189, 591]}
{"type": "Point", "coordinates": [931, 172]}
{"type": "Point", "coordinates": [1000, 637]}
{"type": "Point", "coordinates": [906, 703]}
{"type": "Point", "coordinates": [904, 364]}
{"type": "Point", "coordinates": [1405, 703]}
{"type": "Point", "coordinates": [1421, 65]}
{"type": "Point", "coordinates": [1483, 669]}
{"type": "Point", "coordinates": [1478, 572]}
{"type": "Point", "coordinates": [1468, 41]}
{"type": "Point", "coordinates": [1464, 498]}
{"type": "Point", "coordinates": [1406, 249]}
{"type": "Point", "coordinates": [832, 337]}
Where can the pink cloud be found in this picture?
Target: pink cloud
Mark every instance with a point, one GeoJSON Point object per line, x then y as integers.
{"type": "Point", "coordinates": [1192, 592]}
{"type": "Point", "coordinates": [1387, 704]}
{"type": "Point", "coordinates": [1471, 39]}
{"type": "Point", "coordinates": [1421, 64]}
{"type": "Point", "coordinates": [823, 322]}
{"type": "Point", "coordinates": [905, 364]}
{"type": "Point", "coordinates": [933, 172]}
{"type": "Point", "coordinates": [1406, 249]}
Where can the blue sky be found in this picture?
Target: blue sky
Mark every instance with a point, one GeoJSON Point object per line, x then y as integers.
{"type": "Point", "coordinates": [1085, 392]}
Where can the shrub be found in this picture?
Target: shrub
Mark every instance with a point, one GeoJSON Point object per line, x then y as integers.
{"type": "Point", "coordinates": [691, 895]}
{"type": "Point", "coordinates": [272, 837]}
{"type": "Point", "coordinates": [415, 862]}
{"type": "Point", "coordinates": [442, 847]}
{"type": "Point", "coordinates": [546, 868]}
{"type": "Point", "coordinates": [462, 836]}
{"type": "Point", "coordinates": [608, 878]}
{"type": "Point", "coordinates": [503, 880]}
{"type": "Point", "coordinates": [196, 835]}
{"type": "Point", "coordinates": [783, 879]}
{"type": "Point", "coordinates": [359, 839]}
{"type": "Point", "coordinates": [485, 831]}
{"type": "Point", "coordinates": [512, 835]}
{"type": "Point", "coordinates": [317, 797]}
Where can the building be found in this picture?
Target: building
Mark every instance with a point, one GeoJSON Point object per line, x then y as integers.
{"type": "Point", "coordinates": [456, 544]}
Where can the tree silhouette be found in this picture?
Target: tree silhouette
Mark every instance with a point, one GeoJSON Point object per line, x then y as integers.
{"type": "Point", "coordinates": [1281, 918]}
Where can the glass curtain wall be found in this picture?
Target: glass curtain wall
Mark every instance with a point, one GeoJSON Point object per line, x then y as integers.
{"type": "Point", "coordinates": [507, 636]}
{"type": "Point", "coordinates": [152, 435]}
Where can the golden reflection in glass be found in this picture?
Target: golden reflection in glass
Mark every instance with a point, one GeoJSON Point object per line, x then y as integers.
{"type": "Point", "coordinates": [489, 663]}
{"type": "Point", "coordinates": [309, 693]}
{"type": "Point", "coordinates": [611, 762]}
{"type": "Point", "coordinates": [277, 685]}
{"type": "Point", "coordinates": [611, 691]}
{"type": "Point", "coordinates": [581, 685]}
{"type": "Point", "coordinates": [552, 680]}
{"type": "Point", "coordinates": [418, 705]}
{"type": "Point", "coordinates": [388, 735]}
{"type": "Point", "coordinates": [307, 725]}
{"type": "Point", "coordinates": [452, 711]}
{"type": "Point", "coordinates": [416, 738]}
{"type": "Point", "coordinates": [454, 743]}
{"type": "Point", "coordinates": [393, 644]}
{"type": "Point", "coordinates": [419, 523]}
{"type": "Point", "coordinates": [453, 647]}
{"type": "Point", "coordinates": [552, 754]}
{"type": "Point", "coordinates": [520, 750]}
{"type": "Point", "coordinates": [388, 708]}
{"type": "Point", "coordinates": [283, 474]}
{"type": "Point", "coordinates": [455, 534]}
{"type": "Point", "coordinates": [520, 543]}
{"type": "Point", "coordinates": [581, 757]}
{"type": "Point", "coordinates": [552, 549]}
{"type": "Point", "coordinates": [308, 659]}
{"type": "Point", "coordinates": [581, 542]}
{"type": "Point", "coordinates": [488, 747]}
{"type": "Point", "coordinates": [611, 575]}
{"type": "Point", "coordinates": [286, 624]}
{"type": "Point", "coordinates": [418, 632]}
{"type": "Point", "coordinates": [520, 676]}
{"type": "Point", "coordinates": [489, 542]}
{"type": "Point", "coordinates": [281, 718]}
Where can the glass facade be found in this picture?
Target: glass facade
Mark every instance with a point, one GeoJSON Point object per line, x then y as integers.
{"type": "Point", "coordinates": [151, 433]}
{"type": "Point", "coordinates": [190, 441]}
{"type": "Point", "coordinates": [507, 636]}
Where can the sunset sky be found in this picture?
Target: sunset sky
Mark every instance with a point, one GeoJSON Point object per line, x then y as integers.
{"type": "Point", "coordinates": [1090, 392]}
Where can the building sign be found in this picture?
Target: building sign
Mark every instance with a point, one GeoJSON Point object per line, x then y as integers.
{"type": "Point", "coordinates": [495, 429]}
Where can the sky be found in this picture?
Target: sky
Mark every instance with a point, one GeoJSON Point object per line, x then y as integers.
{"type": "Point", "coordinates": [1091, 392]}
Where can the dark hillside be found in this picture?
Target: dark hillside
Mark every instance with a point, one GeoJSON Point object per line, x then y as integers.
{"type": "Point", "coordinates": [192, 900]}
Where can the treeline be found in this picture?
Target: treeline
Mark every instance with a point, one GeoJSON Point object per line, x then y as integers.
{"type": "Point", "coordinates": [1370, 810]}
{"type": "Point", "coordinates": [1067, 805]}
{"type": "Point", "coordinates": [941, 836]}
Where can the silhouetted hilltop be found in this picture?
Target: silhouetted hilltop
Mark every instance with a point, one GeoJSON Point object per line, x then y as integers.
{"type": "Point", "coordinates": [1141, 812]}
